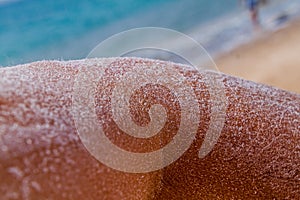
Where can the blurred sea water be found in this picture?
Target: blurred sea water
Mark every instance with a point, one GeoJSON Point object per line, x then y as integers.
{"type": "Point", "coordinates": [33, 30]}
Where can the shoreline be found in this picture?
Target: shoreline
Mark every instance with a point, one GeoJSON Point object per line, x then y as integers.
{"type": "Point", "coordinates": [271, 59]}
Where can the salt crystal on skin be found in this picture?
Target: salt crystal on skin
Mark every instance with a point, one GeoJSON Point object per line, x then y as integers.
{"type": "Point", "coordinates": [17, 172]}
{"type": "Point", "coordinates": [257, 152]}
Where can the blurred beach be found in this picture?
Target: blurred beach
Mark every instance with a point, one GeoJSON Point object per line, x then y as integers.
{"type": "Point", "coordinates": [272, 59]}
{"type": "Point", "coordinates": [32, 30]}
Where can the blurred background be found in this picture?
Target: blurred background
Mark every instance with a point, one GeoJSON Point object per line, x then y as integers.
{"type": "Point", "coordinates": [32, 30]}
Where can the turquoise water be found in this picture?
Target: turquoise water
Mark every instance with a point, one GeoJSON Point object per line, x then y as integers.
{"type": "Point", "coordinates": [33, 30]}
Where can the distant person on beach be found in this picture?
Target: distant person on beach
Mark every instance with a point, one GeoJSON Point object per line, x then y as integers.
{"type": "Point", "coordinates": [253, 7]}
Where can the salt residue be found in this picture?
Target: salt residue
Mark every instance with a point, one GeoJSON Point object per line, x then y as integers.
{"type": "Point", "coordinates": [41, 153]}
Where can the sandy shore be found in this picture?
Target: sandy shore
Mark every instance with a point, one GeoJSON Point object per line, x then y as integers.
{"type": "Point", "coordinates": [273, 59]}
